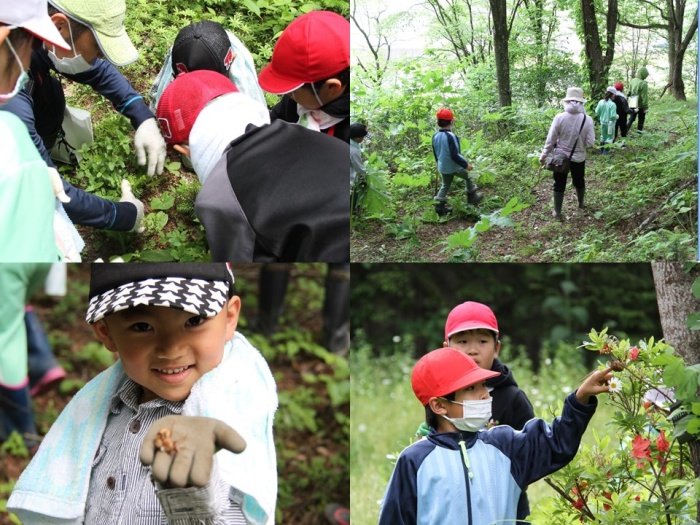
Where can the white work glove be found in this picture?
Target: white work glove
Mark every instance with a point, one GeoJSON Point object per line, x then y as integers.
{"type": "Point", "coordinates": [57, 185]}
{"type": "Point", "coordinates": [128, 196]}
{"type": "Point", "coordinates": [149, 143]}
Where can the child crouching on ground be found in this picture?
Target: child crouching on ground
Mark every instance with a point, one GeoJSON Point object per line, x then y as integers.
{"type": "Point", "coordinates": [463, 474]}
{"type": "Point", "coordinates": [138, 444]}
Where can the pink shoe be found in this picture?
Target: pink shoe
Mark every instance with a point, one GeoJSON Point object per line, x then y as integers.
{"type": "Point", "coordinates": [49, 380]}
{"type": "Point", "coordinates": [337, 514]}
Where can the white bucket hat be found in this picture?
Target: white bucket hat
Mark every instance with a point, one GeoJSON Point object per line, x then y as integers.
{"type": "Point", "coordinates": [32, 16]}
{"type": "Point", "coordinates": [574, 93]}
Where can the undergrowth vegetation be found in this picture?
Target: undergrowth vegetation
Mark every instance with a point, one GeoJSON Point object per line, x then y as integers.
{"type": "Point", "coordinates": [641, 199]}
{"type": "Point", "coordinates": [172, 231]}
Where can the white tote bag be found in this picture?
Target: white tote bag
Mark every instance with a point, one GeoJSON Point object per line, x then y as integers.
{"type": "Point", "coordinates": [76, 131]}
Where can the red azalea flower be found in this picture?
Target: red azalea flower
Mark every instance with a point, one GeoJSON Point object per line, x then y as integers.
{"type": "Point", "coordinates": [641, 450]}
{"type": "Point", "coordinates": [662, 443]}
{"type": "Point", "coordinates": [609, 497]}
{"type": "Point", "coordinates": [579, 503]}
{"type": "Point", "coordinates": [634, 353]}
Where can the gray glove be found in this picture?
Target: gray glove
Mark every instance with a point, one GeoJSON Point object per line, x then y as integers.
{"type": "Point", "coordinates": [181, 448]}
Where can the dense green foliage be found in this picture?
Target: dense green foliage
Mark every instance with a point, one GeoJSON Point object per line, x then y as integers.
{"type": "Point", "coordinates": [534, 304]}
{"type": "Point", "coordinates": [641, 201]}
{"type": "Point", "coordinates": [173, 232]}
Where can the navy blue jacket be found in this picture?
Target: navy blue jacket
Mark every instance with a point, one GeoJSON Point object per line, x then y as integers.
{"type": "Point", "coordinates": [41, 105]}
{"type": "Point", "coordinates": [433, 483]}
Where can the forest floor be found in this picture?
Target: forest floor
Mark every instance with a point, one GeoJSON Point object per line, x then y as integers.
{"type": "Point", "coordinates": [535, 236]}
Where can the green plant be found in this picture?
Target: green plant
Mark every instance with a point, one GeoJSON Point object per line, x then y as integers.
{"type": "Point", "coordinates": [646, 476]}
{"type": "Point", "coordinates": [14, 446]}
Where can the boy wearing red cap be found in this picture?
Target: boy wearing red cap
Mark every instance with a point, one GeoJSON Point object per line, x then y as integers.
{"type": "Point", "coordinates": [450, 162]}
{"type": "Point", "coordinates": [270, 192]}
{"type": "Point", "coordinates": [461, 474]}
{"type": "Point", "coordinates": [472, 328]}
{"type": "Point", "coordinates": [310, 66]}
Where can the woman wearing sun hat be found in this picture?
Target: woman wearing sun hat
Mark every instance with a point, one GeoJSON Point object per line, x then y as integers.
{"type": "Point", "coordinates": [567, 133]}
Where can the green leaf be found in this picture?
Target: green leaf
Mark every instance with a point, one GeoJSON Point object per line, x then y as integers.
{"type": "Point", "coordinates": [164, 202]}
{"type": "Point", "coordinates": [252, 6]}
{"type": "Point", "coordinates": [693, 321]}
{"type": "Point", "coordinates": [156, 256]}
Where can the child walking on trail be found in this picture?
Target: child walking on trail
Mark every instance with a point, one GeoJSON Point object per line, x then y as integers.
{"type": "Point", "coordinates": [179, 429]}
{"type": "Point", "coordinates": [461, 473]}
{"type": "Point", "coordinates": [472, 329]}
{"type": "Point", "coordinates": [606, 110]}
{"type": "Point", "coordinates": [451, 163]}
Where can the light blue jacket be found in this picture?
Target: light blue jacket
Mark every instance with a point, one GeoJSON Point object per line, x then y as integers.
{"type": "Point", "coordinates": [476, 478]}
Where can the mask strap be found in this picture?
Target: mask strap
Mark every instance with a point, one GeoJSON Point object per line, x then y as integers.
{"type": "Point", "coordinates": [9, 44]}
{"type": "Point", "coordinates": [318, 99]}
{"type": "Point", "coordinates": [72, 42]}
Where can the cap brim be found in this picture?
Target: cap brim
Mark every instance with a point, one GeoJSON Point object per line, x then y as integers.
{"type": "Point", "coordinates": [271, 82]}
{"type": "Point", "coordinates": [470, 325]}
{"type": "Point", "coordinates": [118, 48]}
{"type": "Point", "coordinates": [196, 296]}
{"type": "Point", "coordinates": [582, 100]}
{"type": "Point", "coordinates": [44, 29]}
{"type": "Point", "coordinates": [470, 378]}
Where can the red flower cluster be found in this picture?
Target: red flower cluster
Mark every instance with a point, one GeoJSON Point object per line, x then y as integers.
{"type": "Point", "coordinates": [641, 450]}
{"type": "Point", "coordinates": [634, 353]}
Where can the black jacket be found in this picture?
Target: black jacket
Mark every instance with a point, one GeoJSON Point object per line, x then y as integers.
{"type": "Point", "coordinates": [510, 404]}
{"type": "Point", "coordinates": [281, 193]}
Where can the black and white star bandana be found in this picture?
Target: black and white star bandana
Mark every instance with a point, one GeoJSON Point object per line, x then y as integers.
{"type": "Point", "coordinates": [196, 296]}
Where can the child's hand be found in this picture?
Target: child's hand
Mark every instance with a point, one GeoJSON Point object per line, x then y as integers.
{"type": "Point", "coordinates": [595, 383]}
{"type": "Point", "coordinates": [181, 448]}
{"type": "Point", "coordinates": [469, 167]}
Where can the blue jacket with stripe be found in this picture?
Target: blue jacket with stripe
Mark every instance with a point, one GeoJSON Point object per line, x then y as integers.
{"type": "Point", "coordinates": [446, 152]}
{"type": "Point", "coordinates": [476, 478]}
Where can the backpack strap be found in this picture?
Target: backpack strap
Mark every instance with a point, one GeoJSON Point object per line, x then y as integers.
{"type": "Point", "coordinates": [577, 137]}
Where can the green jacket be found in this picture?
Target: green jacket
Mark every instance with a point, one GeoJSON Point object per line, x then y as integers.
{"type": "Point", "coordinates": [639, 87]}
{"type": "Point", "coordinates": [27, 201]}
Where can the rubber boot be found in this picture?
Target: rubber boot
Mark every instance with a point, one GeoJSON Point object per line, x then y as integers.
{"type": "Point", "coordinates": [44, 371]}
{"type": "Point", "coordinates": [441, 208]}
{"type": "Point", "coordinates": [17, 415]}
{"type": "Point", "coordinates": [336, 309]}
{"type": "Point", "coordinates": [272, 290]}
{"type": "Point", "coordinates": [558, 201]}
{"type": "Point", "coordinates": [475, 198]}
{"type": "Point", "coordinates": [580, 193]}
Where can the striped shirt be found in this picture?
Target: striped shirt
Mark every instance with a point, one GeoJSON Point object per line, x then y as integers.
{"type": "Point", "coordinates": [121, 489]}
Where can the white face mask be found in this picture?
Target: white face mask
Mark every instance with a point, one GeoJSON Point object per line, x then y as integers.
{"type": "Point", "coordinates": [475, 415]}
{"type": "Point", "coordinates": [70, 65]}
{"type": "Point", "coordinates": [315, 119]}
{"type": "Point", "coordinates": [22, 79]}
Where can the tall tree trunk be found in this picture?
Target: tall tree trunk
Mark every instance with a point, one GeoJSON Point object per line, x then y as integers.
{"type": "Point", "coordinates": [597, 62]}
{"type": "Point", "coordinates": [676, 302]}
{"type": "Point", "coordinates": [501, 35]}
{"type": "Point", "coordinates": [678, 45]}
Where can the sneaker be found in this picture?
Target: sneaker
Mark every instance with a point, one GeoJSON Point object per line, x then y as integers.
{"type": "Point", "coordinates": [337, 514]}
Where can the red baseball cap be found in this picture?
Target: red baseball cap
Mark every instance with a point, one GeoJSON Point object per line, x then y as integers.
{"type": "Point", "coordinates": [444, 371]}
{"type": "Point", "coordinates": [445, 114]}
{"type": "Point", "coordinates": [619, 86]}
{"type": "Point", "coordinates": [184, 98]}
{"type": "Point", "coordinates": [314, 47]}
{"type": "Point", "coordinates": [470, 316]}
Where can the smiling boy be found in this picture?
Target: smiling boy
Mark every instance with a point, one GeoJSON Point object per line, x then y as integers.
{"type": "Point", "coordinates": [460, 474]}
{"type": "Point", "coordinates": [184, 375]}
